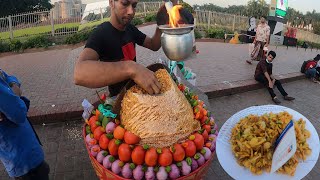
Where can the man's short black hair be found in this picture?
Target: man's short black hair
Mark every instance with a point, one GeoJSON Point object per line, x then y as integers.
{"type": "Point", "coordinates": [272, 53]}
{"type": "Point", "coordinates": [317, 58]}
{"type": "Point", "coordinates": [264, 17]}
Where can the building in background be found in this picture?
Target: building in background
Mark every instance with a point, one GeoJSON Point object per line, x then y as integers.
{"type": "Point", "coordinates": [68, 9]}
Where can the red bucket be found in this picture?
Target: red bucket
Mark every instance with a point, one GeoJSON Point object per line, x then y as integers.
{"type": "Point", "coordinates": [105, 174]}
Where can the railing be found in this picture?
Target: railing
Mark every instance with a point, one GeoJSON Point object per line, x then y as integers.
{"type": "Point", "coordinates": [52, 23]}
{"type": "Point", "coordinates": [209, 19]}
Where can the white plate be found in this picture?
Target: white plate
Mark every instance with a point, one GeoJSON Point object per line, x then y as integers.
{"type": "Point", "coordinates": [229, 163]}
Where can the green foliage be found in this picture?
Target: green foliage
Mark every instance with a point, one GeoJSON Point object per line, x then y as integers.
{"type": "Point", "coordinates": [217, 33]}
{"type": "Point", "coordinates": [197, 34]}
{"type": "Point", "coordinates": [314, 45]}
{"type": "Point", "coordinates": [4, 46]}
{"type": "Point", "coordinates": [136, 21]}
{"type": "Point", "coordinates": [257, 8]}
{"type": "Point", "coordinates": [37, 42]}
{"type": "Point", "coordinates": [78, 37]}
{"type": "Point", "coordinates": [150, 18]}
{"type": "Point", "coordinates": [299, 42]}
{"type": "Point", "coordinates": [316, 28]}
{"type": "Point", "coordinates": [15, 45]}
{"type": "Point", "coordinates": [9, 7]}
{"type": "Point", "coordinates": [187, 6]}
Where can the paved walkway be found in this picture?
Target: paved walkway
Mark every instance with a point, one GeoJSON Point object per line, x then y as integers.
{"type": "Point", "coordinates": [68, 159]}
{"type": "Point", "coordinates": [47, 77]}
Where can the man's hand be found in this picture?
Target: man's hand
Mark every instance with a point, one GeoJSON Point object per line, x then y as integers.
{"type": "Point", "coordinates": [16, 89]}
{"type": "Point", "coordinates": [146, 79]}
{"type": "Point", "coordinates": [271, 84]}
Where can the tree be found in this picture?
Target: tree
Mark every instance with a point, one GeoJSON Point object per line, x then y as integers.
{"type": "Point", "coordinates": [257, 8]}
{"type": "Point", "coordinates": [316, 28]}
{"type": "Point", "coordinates": [9, 7]}
{"type": "Point", "coordinates": [186, 6]}
{"type": "Point", "coordinates": [238, 10]}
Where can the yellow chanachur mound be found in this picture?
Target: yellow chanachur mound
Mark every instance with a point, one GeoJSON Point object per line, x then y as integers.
{"type": "Point", "coordinates": [159, 120]}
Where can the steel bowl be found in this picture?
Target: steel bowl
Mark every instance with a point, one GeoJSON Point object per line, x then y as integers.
{"type": "Point", "coordinates": [177, 42]}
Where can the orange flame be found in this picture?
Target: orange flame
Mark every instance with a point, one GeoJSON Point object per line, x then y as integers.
{"type": "Point", "coordinates": [174, 16]}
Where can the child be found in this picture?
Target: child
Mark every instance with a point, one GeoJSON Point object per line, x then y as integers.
{"type": "Point", "coordinates": [263, 74]}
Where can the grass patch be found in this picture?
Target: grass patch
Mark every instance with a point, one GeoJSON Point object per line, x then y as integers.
{"type": "Point", "coordinates": [36, 30]}
{"type": "Point", "coordinates": [92, 23]}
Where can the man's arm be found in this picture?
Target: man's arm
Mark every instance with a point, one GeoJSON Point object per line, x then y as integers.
{"type": "Point", "coordinates": [13, 83]}
{"type": "Point", "coordinates": [268, 37]}
{"type": "Point", "coordinates": [153, 43]}
{"type": "Point", "coordinates": [90, 72]}
{"type": "Point", "coordinates": [12, 106]}
{"type": "Point", "coordinates": [271, 83]}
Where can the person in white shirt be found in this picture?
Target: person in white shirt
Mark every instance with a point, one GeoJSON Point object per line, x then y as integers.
{"type": "Point", "coordinates": [261, 41]}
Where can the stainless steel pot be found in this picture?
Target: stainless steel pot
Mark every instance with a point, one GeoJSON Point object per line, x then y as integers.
{"type": "Point", "coordinates": [177, 42]}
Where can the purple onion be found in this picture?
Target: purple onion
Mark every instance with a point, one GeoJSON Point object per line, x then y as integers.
{"type": "Point", "coordinates": [95, 150]}
{"type": "Point", "coordinates": [194, 164]}
{"type": "Point", "coordinates": [101, 156]}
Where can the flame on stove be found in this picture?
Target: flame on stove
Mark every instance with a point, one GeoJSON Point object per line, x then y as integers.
{"type": "Point", "coordinates": [174, 16]}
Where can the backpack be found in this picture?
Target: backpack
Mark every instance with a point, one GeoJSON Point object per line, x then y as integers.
{"type": "Point", "coordinates": [303, 67]}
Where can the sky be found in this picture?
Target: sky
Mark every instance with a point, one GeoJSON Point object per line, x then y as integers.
{"type": "Point", "coordinates": [301, 5]}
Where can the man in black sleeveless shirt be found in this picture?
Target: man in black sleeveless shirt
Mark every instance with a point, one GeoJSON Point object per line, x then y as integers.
{"type": "Point", "coordinates": [109, 56]}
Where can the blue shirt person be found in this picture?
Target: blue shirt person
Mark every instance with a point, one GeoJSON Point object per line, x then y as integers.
{"type": "Point", "coordinates": [20, 150]}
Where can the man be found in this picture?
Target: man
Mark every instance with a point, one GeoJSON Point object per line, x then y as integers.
{"type": "Point", "coordinates": [311, 69]}
{"type": "Point", "coordinates": [20, 150]}
{"type": "Point", "coordinates": [109, 57]}
{"type": "Point", "coordinates": [263, 74]}
{"type": "Point", "coordinates": [261, 40]}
